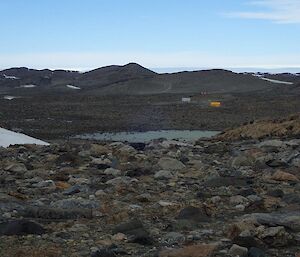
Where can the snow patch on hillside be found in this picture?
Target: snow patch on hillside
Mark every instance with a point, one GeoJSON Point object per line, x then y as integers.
{"type": "Point", "coordinates": [9, 97]}
{"type": "Point", "coordinates": [10, 77]}
{"type": "Point", "coordinates": [8, 138]}
{"type": "Point", "coordinates": [278, 81]}
{"type": "Point", "coordinates": [273, 80]}
{"type": "Point", "coordinates": [28, 86]}
{"type": "Point", "coordinates": [73, 87]}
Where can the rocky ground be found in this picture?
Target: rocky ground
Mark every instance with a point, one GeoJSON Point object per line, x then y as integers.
{"type": "Point", "coordinates": [284, 127]}
{"type": "Point", "coordinates": [60, 116]}
{"type": "Point", "coordinates": [161, 199]}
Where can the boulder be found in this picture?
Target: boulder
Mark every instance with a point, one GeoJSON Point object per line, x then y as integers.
{"type": "Point", "coordinates": [113, 172]}
{"type": "Point", "coordinates": [164, 174]}
{"type": "Point", "coordinates": [193, 214]}
{"type": "Point", "coordinates": [20, 227]}
{"type": "Point", "coordinates": [241, 161]}
{"type": "Point", "coordinates": [167, 163]}
{"type": "Point", "coordinates": [290, 220]}
{"type": "Point", "coordinates": [135, 231]}
{"type": "Point", "coordinates": [72, 203]}
{"type": "Point", "coordinates": [284, 176]}
{"type": "Point", "coordinates": [238, 251]}
{"type": "Point", "coordinates": [256, 252]}
{"type": "Point", "coordinates": [18, 168]}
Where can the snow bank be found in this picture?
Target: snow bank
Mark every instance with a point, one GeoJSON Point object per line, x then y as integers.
{"type": "Point", "coordinates": [8, 138]}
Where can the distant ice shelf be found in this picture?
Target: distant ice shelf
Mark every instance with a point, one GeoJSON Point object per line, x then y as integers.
{"type": "Point", "coordinates": [8, 138]}
{"type": "Point", "coordinates": [73, 87]}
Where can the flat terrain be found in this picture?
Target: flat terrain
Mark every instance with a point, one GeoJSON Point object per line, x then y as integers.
{"type": "Point", "coordinates": [59, 116]}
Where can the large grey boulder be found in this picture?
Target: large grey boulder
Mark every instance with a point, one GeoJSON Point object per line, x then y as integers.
{"type": "Point", "coordinates": [290, 220]}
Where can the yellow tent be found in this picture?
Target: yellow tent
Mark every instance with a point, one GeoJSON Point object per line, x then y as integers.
{"type": "Point", "coordinates": [215, 104]}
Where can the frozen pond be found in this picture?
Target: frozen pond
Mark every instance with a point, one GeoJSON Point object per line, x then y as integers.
{"type": "Point", "coordinates": [181, 135]}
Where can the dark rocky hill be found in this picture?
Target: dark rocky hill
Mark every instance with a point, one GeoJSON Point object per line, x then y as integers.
{"type": "Point", "coordinates": [210, 81]}
{"type": "Point", "coordinates": [131, 79]}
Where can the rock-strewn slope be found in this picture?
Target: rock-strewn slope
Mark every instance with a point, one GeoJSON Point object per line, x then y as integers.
{"type": "Point", "coordinates": [288, 127]}
{"type": "Point", "coordinates": [161, 199]}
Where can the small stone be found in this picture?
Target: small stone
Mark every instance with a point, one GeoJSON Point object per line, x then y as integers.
{"type": "Point", "coordinates": [275, 236]}
{"type": "Point", "coordinates": [7, 215]}
{"type": "Point", "coordinates": [256, 252]}
{"type": "Point", "coordinates": [284, 176]}
{"type": "Point", "coordinates": [167, 163]}
{"type": "Point", "coordinates": [165, 203]}
{"type": "Point", "coordinates": [163, 174]}
{"type": "Point", "coordinates": [120, 180]}
{"type": "Point", "coordinates": [119, 237]}
{"type": "Point", "coordinates": [240, 207]}
{"type": "Point", "coordinates": [98, 150]}
{"type": "Point", "coordinates": [276, 193]}
{"type": "Point", "coordinates": [238, 251]}
{"type": "Point", "coordinates": [113, 172]}
{"type": "Point", "coordinates": [74, 180]}
{"type": "Point", "coordinates": [194, 214]}
{"type": "Point", "coordinates": [215, 199]}
{"type": "Point", "coordinates": [254, 198]}
{"type": "Point", "coordinates": [174, 238]}
{"type": "Point", "coordinates": [238, 199]}
{"type": "Point", "coordinates": [103, 253]}
{"type": "Point", "coordinates": [18, 168]}
{"type": "Point", "coordinates": [272, 143]}
{"type": "Point", "coordinates": [100, 193]}
{"type": "Point", "coordinates": [45, 184]}
{"type": "Point", "coordinates": [72, 190]}
{"type": "Point", "coordinates": [204, 250]}
{"type": "Point", "coordinates": [247, 241]}
{"type": "Point", "coordinates": [79, 228]}
{"type": "Point", "coordinates": [241, 161]}
{"type": "Point", "coordinates": [135, 231]}
{"type": "Point", "coordinates": [62, 185]}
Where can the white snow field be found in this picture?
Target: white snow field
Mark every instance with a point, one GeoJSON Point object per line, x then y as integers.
{"type": "Point", "coordinates": [8, 138]}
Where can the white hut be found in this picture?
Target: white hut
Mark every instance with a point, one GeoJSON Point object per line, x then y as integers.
{"type": "Point", "coordinates": [186, 99]}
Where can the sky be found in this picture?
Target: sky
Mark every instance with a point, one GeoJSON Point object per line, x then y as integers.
{"type": "Point", "coordinates": [158, 34]}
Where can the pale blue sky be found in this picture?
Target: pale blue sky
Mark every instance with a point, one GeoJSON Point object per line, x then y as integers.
{"type": "Point", "coordinates": [85, 34]}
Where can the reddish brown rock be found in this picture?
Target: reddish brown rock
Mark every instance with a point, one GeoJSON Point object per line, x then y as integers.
{"type": "Point", "coordinates": [284, 176]}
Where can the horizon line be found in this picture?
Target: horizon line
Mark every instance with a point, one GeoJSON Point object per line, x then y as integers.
{"type": "Point", "coordinates": [167, 69]}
